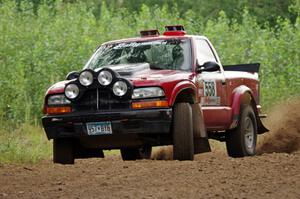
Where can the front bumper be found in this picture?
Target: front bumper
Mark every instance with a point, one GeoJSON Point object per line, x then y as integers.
{"type": "Point", "coordinates": [153, 121]}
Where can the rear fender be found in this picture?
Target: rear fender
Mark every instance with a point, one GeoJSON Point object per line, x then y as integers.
{"type": "Point", "coordinates": [184, 86]}
{"type": "Point", "coordinates": [243, 95]}
{"type": "Point", "coordinates": [240, 95]}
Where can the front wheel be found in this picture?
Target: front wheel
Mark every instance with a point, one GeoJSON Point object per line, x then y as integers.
{"type": "Point", "coordinates": [183, 143]}
{"type": "Point", "coordinates": [136, 153]}
{"type": "Point", "coordinates": [242, 141]}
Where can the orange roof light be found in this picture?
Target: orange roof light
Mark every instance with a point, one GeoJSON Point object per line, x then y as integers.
{"type": "Point", "coordinates": [150, 104]}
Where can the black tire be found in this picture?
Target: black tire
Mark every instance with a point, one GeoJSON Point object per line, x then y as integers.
{"type": "Point", "coordinates": [241, 141]}
{"type": "Point", "coordinates": [136, 153]}
{"type": "Point", "coordinates": [183, 143]}
{"type": "Point", "coordinates": [63, 151]}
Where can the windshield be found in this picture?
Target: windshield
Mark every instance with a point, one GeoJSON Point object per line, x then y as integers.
{"type": "Point", "coordinates": [174, 54]}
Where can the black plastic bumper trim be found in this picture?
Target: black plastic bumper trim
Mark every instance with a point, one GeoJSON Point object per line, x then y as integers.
{"type": "Point", "coordinates": [153, 121]}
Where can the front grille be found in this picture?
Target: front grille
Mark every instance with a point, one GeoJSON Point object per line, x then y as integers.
{"type": "Point", "coordinates": [103, 101]}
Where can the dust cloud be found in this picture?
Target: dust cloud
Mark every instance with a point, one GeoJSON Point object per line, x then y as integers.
{"type": "Point", "coordinates": [163, 153]}
{"type": "Point", "coordinates": [284, 123]}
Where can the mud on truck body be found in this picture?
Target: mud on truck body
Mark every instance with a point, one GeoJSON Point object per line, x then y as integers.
{"type": "Point", "coordinates": [154, 90]}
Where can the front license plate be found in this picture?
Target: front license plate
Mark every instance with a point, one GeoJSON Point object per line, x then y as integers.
{"type": "Point", "coordinates": [99, 128]}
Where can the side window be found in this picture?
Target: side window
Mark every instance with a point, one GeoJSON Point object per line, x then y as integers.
{"type": "Point", "coordinates": [204, 52]}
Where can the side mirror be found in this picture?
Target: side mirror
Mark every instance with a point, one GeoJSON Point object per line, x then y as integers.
{"type": "Point", "coordinates": [72, 75]}
{"type": "Point", "coordinates": [209, 66]}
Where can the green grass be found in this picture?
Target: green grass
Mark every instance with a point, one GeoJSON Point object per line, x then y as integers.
{"type": "Point", "coordinates": [25, 144]}
{"type": "Point", "coordinates": [111, 152]}
{"type": "Point", "coordinates": [28, 144]}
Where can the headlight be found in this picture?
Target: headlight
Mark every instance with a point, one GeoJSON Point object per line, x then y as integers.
{"type": "Point", "coordinates": [148, 92]}
{"type": "Point", "coordinates": [105, 78]}
{"type": "Point", "coordinates": [120, 88]}
{"type": "Point", "coordinates": [86, 78]}
{"type": "Point", "coordinates": [58, 100]}
{"type": "Point", "coordinates": [71, 91]}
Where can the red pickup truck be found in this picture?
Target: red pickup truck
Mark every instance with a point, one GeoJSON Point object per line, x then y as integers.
{"type": "Point", "coordinates": [154, 90]}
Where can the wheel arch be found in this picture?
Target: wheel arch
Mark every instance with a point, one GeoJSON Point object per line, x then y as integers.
{"type": "Point", "coordinates": [243, 95]}
{"type": "Point", "coordinates": [184, 92]}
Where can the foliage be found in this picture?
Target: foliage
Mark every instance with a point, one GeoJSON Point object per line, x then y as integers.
{"type": "Point", "coordinates": [263, 10]}
{"type": "Point", "coordinates": [39, 49]}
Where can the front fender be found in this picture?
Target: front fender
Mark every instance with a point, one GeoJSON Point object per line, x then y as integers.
{"type": "Point", "coordinates": [183, 85]}
{"type": "Point", "coordinates": [57, 88]}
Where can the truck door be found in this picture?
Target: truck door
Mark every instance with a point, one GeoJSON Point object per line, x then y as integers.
{"type": "Point", "coordinates": [211, 86]}
{"type": "Point", "coordinates": [212, 83]}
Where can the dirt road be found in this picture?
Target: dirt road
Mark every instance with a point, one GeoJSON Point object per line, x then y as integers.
{"type": "Point", "coordinates": [273, 174]}
{"type": "Point", "coordinates": [212, 175]}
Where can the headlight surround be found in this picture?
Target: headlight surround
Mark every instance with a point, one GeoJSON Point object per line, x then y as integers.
{"type": "Point", "coordinates": [105, 78]}
{"type": "Point", "coordinates": [58, 100]}
{"type": "Point", "coordinates": [147, 92]}
{"type": "Point", "coordinates": [71, 91]}
{"type": "Point", "coordinates": [86, 78]}
{"type": "Point", "coordinates": [120, 88]}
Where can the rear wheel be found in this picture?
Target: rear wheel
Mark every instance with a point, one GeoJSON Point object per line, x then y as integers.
{"type": "Point", "coordinates": [136, 153]}
{"type": "Point", "coordinates": [63, 151]}
{"type": "Point", "coordinates": [242, 141]}
{"type": "Point", "coordinates": [183, 143]}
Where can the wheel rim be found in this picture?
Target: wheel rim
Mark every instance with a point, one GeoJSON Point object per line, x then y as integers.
{"type": "Point", "coordinates": [249, 134]}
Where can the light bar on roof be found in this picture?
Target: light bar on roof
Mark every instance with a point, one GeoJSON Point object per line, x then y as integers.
{"type": "Point", "coordinates": [174, 28]}
{"type": "Point", "coordinates": [149, 33]}
{"type": "Point", "coordinates": [177, 30]}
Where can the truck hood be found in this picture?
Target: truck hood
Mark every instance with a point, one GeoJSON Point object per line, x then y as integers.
{"type": "Point", "coordinates": [140, 75]}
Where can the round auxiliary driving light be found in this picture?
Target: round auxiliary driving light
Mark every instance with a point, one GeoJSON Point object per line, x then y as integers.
{"type": "Point", "coordinates": [86, 78]}
{"type": "Point", "coordinates": [105, 78]}
{"type": "Point", "coordinates": [71, 91]}
{"type": "Point", "coordinates": [120, 88]}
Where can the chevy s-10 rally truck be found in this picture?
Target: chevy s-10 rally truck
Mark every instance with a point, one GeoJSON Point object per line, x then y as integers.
{"type": "Point", "coordinates": [154, 90]}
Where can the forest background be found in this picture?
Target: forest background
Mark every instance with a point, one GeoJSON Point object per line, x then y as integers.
{"type": "Point", "coordinates": [42, 40]}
